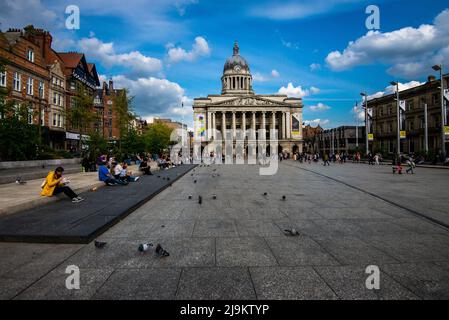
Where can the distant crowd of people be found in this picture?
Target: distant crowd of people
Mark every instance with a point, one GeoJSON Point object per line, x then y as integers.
{"type": "Point", "coordinates": [110, 171]}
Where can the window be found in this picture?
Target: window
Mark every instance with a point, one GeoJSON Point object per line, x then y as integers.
{"type": "Point", "coordinates": [41, 90]}
{"type": "Point", "coordinates": [381, 111]}
{"type": "Point", "coordinates": [61, 100]}
{"type": "Point", "coordinates": [30, 115]}
{"type": "Point", "coordinates": [59, 121]}
{"type": "Point", "coordinates": [423, 101]}
{"type": "Point", "coordinates": [42, 117]}
{"type": "Point", "coordinates": [54, 119]}
{"type": "Point", "coordinates": [30, 55]}
{"type": "Point", "coordinates": [435, 99]}
{"type": "Point", "coordinates": [30, 86]}
{"type": "Point", "coordinates": [55, 98]}
{"type": "Point", "coordinates": [72, 85]}
{"type": "Point", "coordinates": [3, 79]}
{"type": "Point", "coordinates": [17, 81]}
{"type": "Point", "coordinates": [410, 105]}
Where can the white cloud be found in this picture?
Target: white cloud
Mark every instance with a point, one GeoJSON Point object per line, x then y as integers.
{"type": "Point", "coordinates": [155, 97]}
{"type": "Point", "coordinates": [139, 64]}
{"type": "Point", "coordinates": [258, 77]}
{"type": "Point", "coordinates": [319, 107]}
{"type": "Point", "coordinates": [316, 122]}
{"type": "Point", "coordinates": [315, 66]}
{"type": "Point", "coordinates": [290, 45]}
{"type": "Point", "coordinates": [359, 112]}
{"type": "Point", "coordinates": [392, 89]}
{"type": "Point", "coordinates": [287, 10]}
{"type": "Point", "coordinates": [199, 49]}
{"type": "Point", "coordinates": [297, 92]}
{"type": "Point", "coordinates": [410, 51]}
{"type": "Point", "coordinates": [17, 14]}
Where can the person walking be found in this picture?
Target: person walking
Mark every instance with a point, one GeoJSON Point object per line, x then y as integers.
{"type": "Point", "coordinates": [326, 160]}
{"type": "Point", "coordinates": [54, 184]}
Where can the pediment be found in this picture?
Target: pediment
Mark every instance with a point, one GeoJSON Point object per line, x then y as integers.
{"type": "Point", "coordinates": [249, 101]}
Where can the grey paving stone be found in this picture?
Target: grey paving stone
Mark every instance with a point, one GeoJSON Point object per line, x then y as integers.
{"type": "Point", "coordinates": [299, 251]}
{"type": "Point", "coordinates": [140, 284]}
{"type": "Point", "coordinates": [426, 280]}
{"type": "Point", "coordinates": [215, 228]}
{"type": "Point", "coordinates": [353, 251]}
{"type": "Point", "coordinates": [10, 287]}
{"type": "Point", "coordinates": [412, 247]}
{"type": "Point", "coordinates": [257, 228]}
{"type": "Point", "coordinates": [281, 283]}
{"type": "Point", "coordinates": [215, 284]}
{"type": "Point", "coordinates": [184, 252]}
{"type": "Point", "coordinates": [349, 283]}
{"type": "Point", "coordinates": [53, 285]}
{"type": "Point", "coordinates": [232, 252]}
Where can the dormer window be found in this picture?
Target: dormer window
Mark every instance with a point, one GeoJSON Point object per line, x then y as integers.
{"type": "Point", "coordinates": [30, 55]}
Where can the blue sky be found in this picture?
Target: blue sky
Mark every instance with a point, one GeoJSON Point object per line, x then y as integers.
{"type": "Point", "coordinates": [171, 51]}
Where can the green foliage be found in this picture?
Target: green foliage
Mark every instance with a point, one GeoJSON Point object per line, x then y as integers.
{"type": "Point", "coordinates": [132, 143]}
{"type": "Point", "coordinates": [18, 139]}
{"type": "Point", "coordinates": [98, 145]}
{"type": "Point", "coordinates": [82, 115]}
{"type": "Point", "coordinates": [158, 138]}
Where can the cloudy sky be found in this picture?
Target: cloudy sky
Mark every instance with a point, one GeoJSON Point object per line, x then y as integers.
{"type": "Point", "coordinates": [168, 52]}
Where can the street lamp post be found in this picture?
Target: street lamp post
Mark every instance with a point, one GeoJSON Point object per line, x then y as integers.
{"type": "Point", "coordinates": [365, 96]}
{"type": "Point", "coordinates": [443, 111]}
{"type": "Point", "coordinates": [398, 149]}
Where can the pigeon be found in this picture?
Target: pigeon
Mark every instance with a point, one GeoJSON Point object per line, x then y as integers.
{"type": "Point", "coordinates": [19, 180]}
{"type": "Point", "coordinates": [194, 181]}
{"type": "Point", "coordinates": [161, 252]}
{"type": "Point", "coordinates": [99, 245]}
{"type": "Point", "coordinates": [291, 233]}
{"type": "Point", "coordinates": [168, 179]}
{"type": "Point", "coordinates": [200, 199]}
{"type": "Point", "coordinates": [144, 247]}
{"type": "Point", "coordinates": [284, 197]}
{"type": "Point", "coordinates": [265, 193]}
{"type": "Point", "coordinates": [214, 197]}
{"type": "Point", "coordinates": [190, 197]}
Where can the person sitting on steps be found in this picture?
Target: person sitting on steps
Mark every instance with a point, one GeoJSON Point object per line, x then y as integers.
{"type": "Point", "coordinates": [55, 184]}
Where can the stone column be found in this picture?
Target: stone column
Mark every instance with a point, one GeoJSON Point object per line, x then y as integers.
{"type": "Point", "coordinates": [234, 128]}
{"type": "Point", "coordinates": [283, 126]}
{"type": "Point", "coordinates": [289, 130]}
{"type": "Point", "coordinates": [254, 126]}
{"type": "Point", "coordinates": [264, 125]}
{"type": "Point", "coordinates": [244, 123]}
{"type": "Point", "coordinates": [223, 125]}
{"type": "Point", "coordinates": [209, 125]}
{"type": "Point", "coordinates": [214, 125]}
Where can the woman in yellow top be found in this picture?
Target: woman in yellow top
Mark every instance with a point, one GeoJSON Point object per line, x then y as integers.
{"type": "Point", "coordinates": [54, 185]}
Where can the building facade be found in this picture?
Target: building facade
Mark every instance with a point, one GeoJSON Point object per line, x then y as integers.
{"type": "Point", "coordinates": [238, 108]}
{"type": "Point", "coordinates": [26, 75]}
{"type": "Point", "coordinates": [412, 121]}
{"type": "Point", "coordinates": [343, 139]}
{"type": "Point", "coordinates": [78, 75]}
{"type": "Point", "coordinates": [311, 138]}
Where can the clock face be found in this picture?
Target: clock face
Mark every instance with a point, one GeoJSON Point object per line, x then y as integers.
{"type": "Point", "coordinates": [237, 68]}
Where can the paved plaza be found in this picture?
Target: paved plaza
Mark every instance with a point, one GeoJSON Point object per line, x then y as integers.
{"type": "Point", "coordinates": [233, 247]}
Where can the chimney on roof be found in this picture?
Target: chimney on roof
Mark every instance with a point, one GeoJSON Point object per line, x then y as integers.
{"type": "Point", "coordinates": [431, 78]}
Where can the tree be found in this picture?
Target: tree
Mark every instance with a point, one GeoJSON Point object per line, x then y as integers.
{"type": "Point", "coordinates": [82, 115]}
{"type": "Point", "coordinates": [132, 142]}
{"type": "Point", "coordinates": [18, 139]}
{"type": "Point", "coordinates": [158, 138]}
{"type": "Point", "coordinates": [124, 113]}
{"type": "Point", "coordinates": [98, 145]}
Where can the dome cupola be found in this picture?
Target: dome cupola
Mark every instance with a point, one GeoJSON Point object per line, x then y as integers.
{"type": "Point", "coordinates": [236, 77]}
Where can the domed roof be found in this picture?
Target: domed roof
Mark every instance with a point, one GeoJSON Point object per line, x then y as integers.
{"type": "Point", "coordinates": [236, 60]}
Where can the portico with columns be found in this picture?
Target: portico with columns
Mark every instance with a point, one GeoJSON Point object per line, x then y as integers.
{"type": "Point", "coordinates": [238, 108]}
